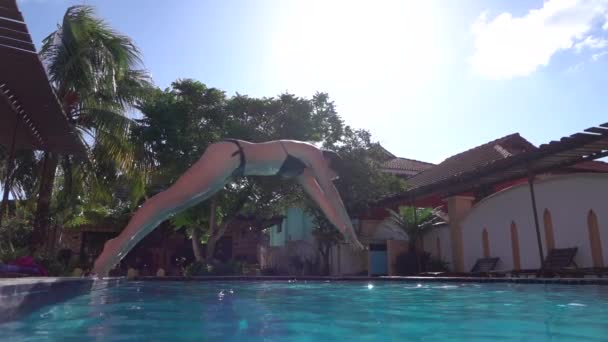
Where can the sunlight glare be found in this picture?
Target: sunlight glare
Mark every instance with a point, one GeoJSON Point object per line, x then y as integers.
{"type": "Point", "coordinates": [356, 43]}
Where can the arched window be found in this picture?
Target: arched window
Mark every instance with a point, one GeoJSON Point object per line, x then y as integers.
{"type": "Point", "coordinates": [515, 246]}
{"type": "Point", "coordinates": [486, 243]}
{"type": "Point", "coordinates": [549, 238]}
{"type": "Point", "coordinates": [595, 241]}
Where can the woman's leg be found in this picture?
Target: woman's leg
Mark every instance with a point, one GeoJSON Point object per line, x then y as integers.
{"type": "Point", "coordinates": [208, 175]}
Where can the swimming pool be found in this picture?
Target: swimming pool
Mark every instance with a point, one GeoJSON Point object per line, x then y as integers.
{"type": "Point", "coordinates": [322, 311]}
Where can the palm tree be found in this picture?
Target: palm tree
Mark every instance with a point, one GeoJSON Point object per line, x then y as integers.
{"type": "Point", "coordinates": [415, 222]}
{"type": "Point", "coordinates": [97, 75]}
{"type": "Point", "coordinates": [21, 183]}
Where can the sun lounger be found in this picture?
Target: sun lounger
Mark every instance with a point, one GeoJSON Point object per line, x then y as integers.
{"type": "Point", "coordinates": [484, 267]}
{"type": "Point", "coordinates": [559, 262]}
{"type": "Point", "coordinates": [22, 267]}
{"type": "Point", "coordinates": [14, 271]}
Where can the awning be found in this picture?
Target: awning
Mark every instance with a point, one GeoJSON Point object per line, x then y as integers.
{"type": "Point", "coordinates": [28, 105]}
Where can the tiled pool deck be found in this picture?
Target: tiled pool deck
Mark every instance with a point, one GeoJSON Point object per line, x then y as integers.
{"type": "Point", "coordinates": [18, 296]}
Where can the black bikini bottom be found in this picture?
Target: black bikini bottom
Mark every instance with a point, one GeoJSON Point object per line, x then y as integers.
{"type": "Point", "coordinates": [240, 170]}
{"type": "Point", "coordinates": [291, 167]}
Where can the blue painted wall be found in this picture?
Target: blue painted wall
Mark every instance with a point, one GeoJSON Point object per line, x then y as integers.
{"type": "Point", "coordinates": [297, 225]}
{"type": "Point", "coordinates": [378, 263]}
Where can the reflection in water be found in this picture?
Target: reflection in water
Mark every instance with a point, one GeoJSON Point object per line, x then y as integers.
{"type": "Point", "coordinates": [239, 317]}
{"type": "Point", "coordinates": [281, 311]}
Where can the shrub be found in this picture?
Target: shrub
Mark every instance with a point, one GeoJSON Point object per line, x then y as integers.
{"type": "Point", "coordinates": [436, 265]}
{"type": "Point", "coordinates": [313, 267]}
{"type": "Point", "coordinates": [271, 271]}
{"type": "Point", "coordinates": [201, 268]}
{"type": "Point", "coordinates": [9, 255]}
{"type": "Point", "coordinates": [230, 267]}
{"type": "Point", "coordinates": [196, 269]}
{"type": "Point", "coordinates": [297, 264]}
{"type": "Point", "coordinates": [64, 256]}
{"type": "Point", "coordinates": [15, 234]}
{"type": "Point", "coordinates": [51, 265]}
{"type": "Point", "coordinates": [407, 263]}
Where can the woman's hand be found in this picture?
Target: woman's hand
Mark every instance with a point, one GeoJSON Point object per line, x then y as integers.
{"type": "Point", "coordinates": [355, 243]}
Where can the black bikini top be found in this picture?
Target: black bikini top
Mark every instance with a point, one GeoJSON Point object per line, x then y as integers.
{"type": "Point", "coordinates": [291, 167]}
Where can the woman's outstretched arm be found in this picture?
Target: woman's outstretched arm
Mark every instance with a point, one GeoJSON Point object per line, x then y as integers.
{"type": "Point", "coordinates": [334, 211]}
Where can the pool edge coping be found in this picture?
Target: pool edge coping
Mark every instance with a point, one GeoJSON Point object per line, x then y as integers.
{"type": "Point", "coordinates": [564, 281]}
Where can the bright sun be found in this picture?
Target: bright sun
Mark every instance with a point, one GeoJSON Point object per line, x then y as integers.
{"type": "Point", "coordinates": [357, 43]}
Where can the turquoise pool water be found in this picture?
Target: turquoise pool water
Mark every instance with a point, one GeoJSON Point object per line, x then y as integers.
{"type": "Point", "coordinates": [322, 311]}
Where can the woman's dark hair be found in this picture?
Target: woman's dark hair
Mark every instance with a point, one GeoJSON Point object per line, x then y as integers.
{"type": "Point", "coordinates": [334, 159]}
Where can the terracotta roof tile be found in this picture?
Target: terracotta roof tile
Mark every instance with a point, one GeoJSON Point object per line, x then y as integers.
{"type": "Point", "coordinates": [593, 166]}
{"type": "Point", "coordinates": [401, 166]}
{"type": "Point", "coordinates": [474, 158]}
{"type": "Point", "coordinates": [405, 165]}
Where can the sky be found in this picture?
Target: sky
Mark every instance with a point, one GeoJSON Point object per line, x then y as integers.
{"type": "Point", "coordinates": [427, 78]}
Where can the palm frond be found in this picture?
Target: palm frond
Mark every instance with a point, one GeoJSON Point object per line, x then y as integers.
{"type": "Point", "coordinates": [106, 120]}
{"type": "Point", "coordinates": [84, 55]}
{"type": "Point", "coordinates": [413, 221]}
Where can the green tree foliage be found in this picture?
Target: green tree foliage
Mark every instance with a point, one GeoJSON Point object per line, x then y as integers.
{"type": "Point", "coordinates": [415, 222]}
{"type": "Point", "coordinates": [361, 180]}
{"type": "Point", "coordinates": [14, 234]}
{"type": "Point", "coordinates": [284, 117]}
{"type": "Point", "coordinates": [24, 180]}
{"type": "Point", "coordinates": [327, 236]}
{"type": "Point", "coordinates": [97, 75]}
{"type": "Point", "coordinates": [19, 179]}
{"type": "Point", "coordinates": [178, 124]}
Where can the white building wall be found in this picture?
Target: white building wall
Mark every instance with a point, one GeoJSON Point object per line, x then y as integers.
{"type": "Point", "coordinates": [345, 260]}
{"type": "Point", "coordinates": [568, 198]}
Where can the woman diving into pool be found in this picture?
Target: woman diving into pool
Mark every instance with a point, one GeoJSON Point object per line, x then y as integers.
{"type": "Point", "coordinates": [222, 161]}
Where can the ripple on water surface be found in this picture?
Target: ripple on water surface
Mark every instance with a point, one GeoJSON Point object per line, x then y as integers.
{"type": "Point", "coordinates": [307, 311]}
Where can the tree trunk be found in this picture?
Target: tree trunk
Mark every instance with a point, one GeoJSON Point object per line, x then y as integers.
{"type": "Point", "coordinates": [210, 249]}
{"type": "Point", "coordinates": [414, 250]}
{"type": "Point", "coordinates": [166, 236]}
{"type": "Point", "coordinates": [215, 238]}
{"type": "Point", "coordinates": [196, 245]}
{"type": "Point", "coordinates": [10, 163]}
{"type": "Point", "coordinates": [325, 255]}
{"type": "Point", "coordinates": [216, 235]}
{"type": "Point", "coordinates": [212, 230]}
{"type": "Point", "coordinates": [7, 185]}
{"type": "Point", "coordinates": [45, 194]}
{"type": "Point", "coordinates": [51, 240]}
